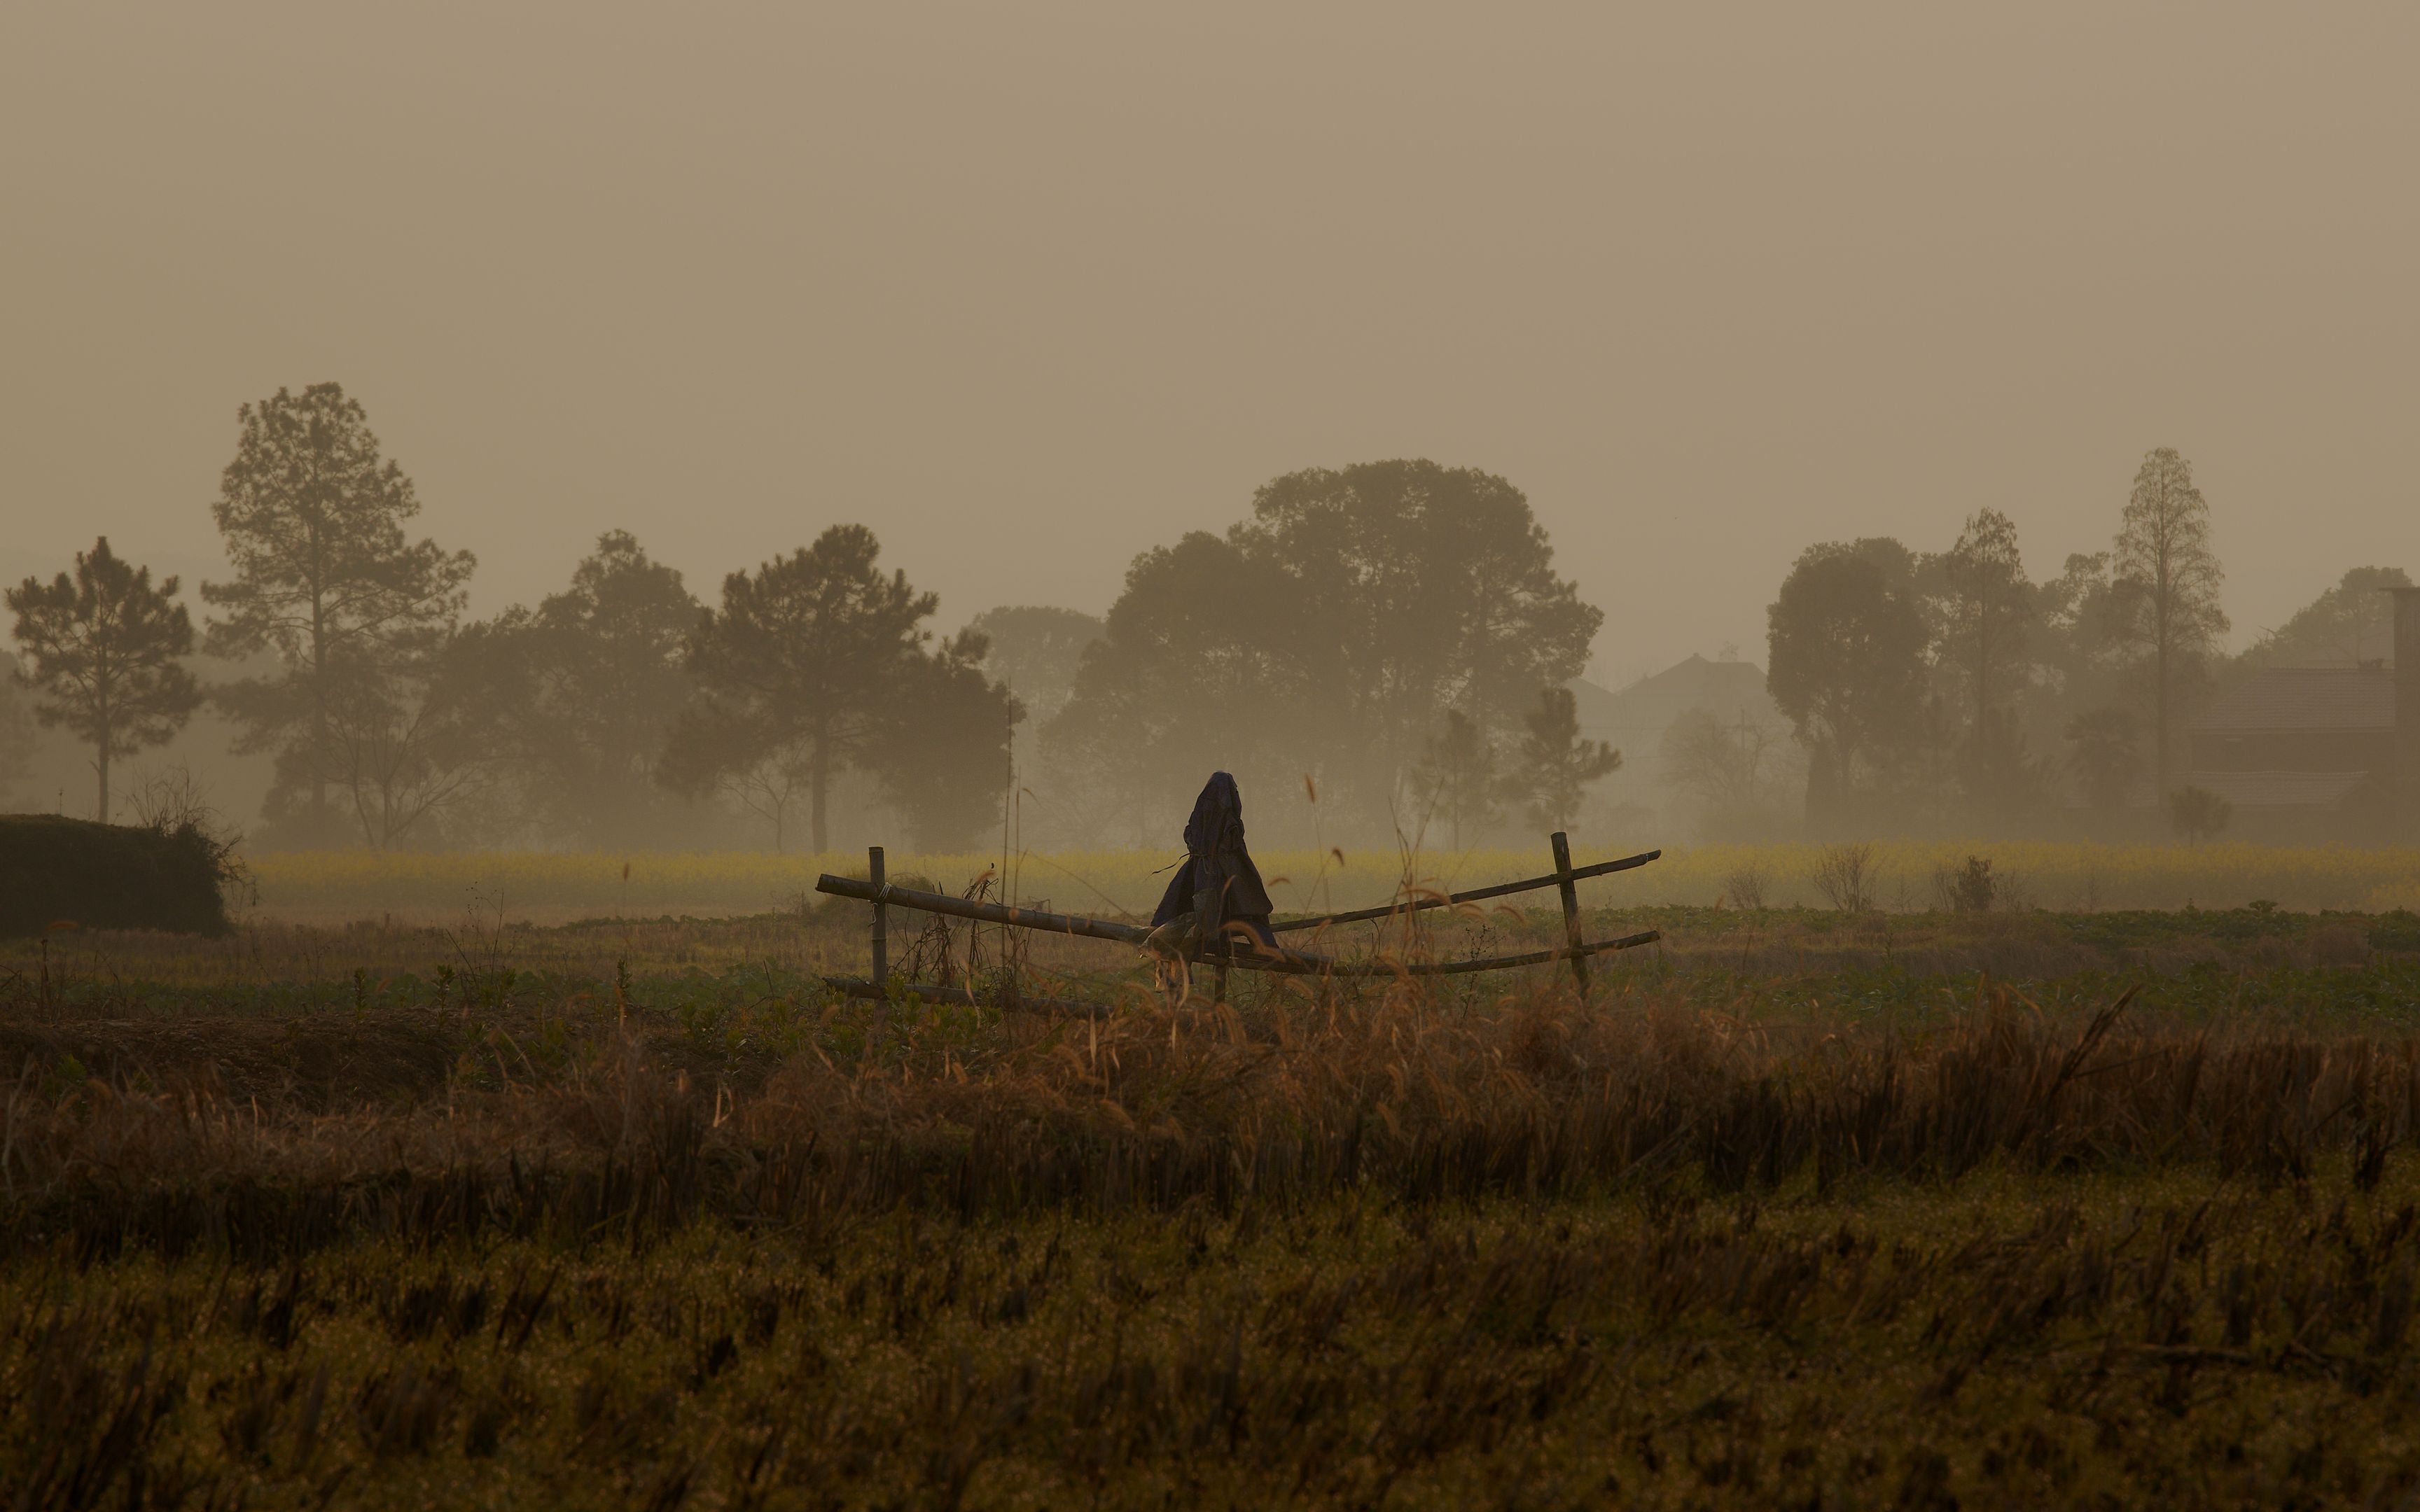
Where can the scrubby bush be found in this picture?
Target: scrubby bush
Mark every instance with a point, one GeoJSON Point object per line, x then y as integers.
{"type": "Point", "coordinates": [56, 870]}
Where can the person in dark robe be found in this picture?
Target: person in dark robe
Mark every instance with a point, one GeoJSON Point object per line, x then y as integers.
{"type": "Point", "coordinates": [1216, 894]}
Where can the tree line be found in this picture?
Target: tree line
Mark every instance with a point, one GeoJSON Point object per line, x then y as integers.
{"type": "Point", "coordinates": [1390, 640]}
{"type": "Point", "coordinates": [604, 716]}
{"type": "Point", "coordinates": [1375, 634]}
{"type": "Point", "coordinates": [1949, 689]}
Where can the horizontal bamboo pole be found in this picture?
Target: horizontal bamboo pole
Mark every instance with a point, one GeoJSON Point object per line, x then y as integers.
{"type": "Point", "coordinates": [1312, 966]}
{"type": "Point", "coordinates": [1290, 962]}
{"type": "Point", "coordinates": [936, 903]}
{"type": "Point", "coordinates": [1578, 874]}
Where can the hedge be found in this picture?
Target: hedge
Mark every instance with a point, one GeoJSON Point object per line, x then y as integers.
{"type": "Point", "coordinates": [56, 870]}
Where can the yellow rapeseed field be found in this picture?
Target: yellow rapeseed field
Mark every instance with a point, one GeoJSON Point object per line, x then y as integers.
{"type": "Point", "coordinates": [2037, 875]}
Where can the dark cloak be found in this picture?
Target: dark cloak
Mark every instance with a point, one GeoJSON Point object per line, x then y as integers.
{"type": "Point", "coordinates": [1217, 863]}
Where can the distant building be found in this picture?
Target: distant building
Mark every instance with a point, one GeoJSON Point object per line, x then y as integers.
{"type": "Point", "coordinates": [1639, 802]}
{"type": "Point", "coordinates": [1635, 718]}
{"type": "Point", "coordinates": [2320, 753]}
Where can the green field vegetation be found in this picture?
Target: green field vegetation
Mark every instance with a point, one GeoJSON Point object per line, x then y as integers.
{"type": "Point", "coordinates": [555, 888]}
{"type": "Point", "coordinates": [1800, 1209]}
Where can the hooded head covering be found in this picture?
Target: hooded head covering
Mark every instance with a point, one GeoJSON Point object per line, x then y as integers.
{"type": "Point", "coordinates": [1215, 861]}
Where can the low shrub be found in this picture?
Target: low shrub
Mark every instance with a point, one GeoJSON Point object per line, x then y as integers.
{"type": "Point", "coordinates": [56, 869]}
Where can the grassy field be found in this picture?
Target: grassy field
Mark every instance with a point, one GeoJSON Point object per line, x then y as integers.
{"type": "Point", "coordinates": [1799, 1209]}
{"type": "Point", "coordinates": [559, 887]}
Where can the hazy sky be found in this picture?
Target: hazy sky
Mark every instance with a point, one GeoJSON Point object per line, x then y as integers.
{"type": "Point", "coordinates": [1032, 288]}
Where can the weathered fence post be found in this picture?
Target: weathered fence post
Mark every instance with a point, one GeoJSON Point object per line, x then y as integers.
{"type": "Point", "coordinates": [878, 892]}
{"type": "Point", "coordinates": [1571, 892]}
{"type": "Point", "coordinates": [881, 941]}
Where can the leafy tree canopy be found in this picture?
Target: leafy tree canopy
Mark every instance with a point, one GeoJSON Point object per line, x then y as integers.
{"type": "Point", "coordinates": [816, 662]}
{"type": "Point", "coordinates": [580, 695]}
{"type": "Point", "coordinates": [2352, 621]}
{"type": "Point", "coordinates": [1322, 636]}
{"type": "Point", "coordinates": [1036, 650]}
{"type": "Point", "coordinates": [942, 756]}
{"type": "Point", "coordinates": [1202, 666]}
{"type": "Point", "coordinates": [1988, 613]}
{"type": "Point", "coordinates": [1846, 643]}
{"type": "Point", "coordinates": [1427, 587]}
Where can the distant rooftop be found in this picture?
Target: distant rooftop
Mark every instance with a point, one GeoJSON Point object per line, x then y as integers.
{"type": "Point", "coordinates": [1728, 688]}
{"type": "Point", "coordinates": [2306, 697]}
{"type": "Point", "coordinates": [2279, 790]}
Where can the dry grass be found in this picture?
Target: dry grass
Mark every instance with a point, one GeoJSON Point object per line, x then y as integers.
{"type": "Point", "coordinates": [711, 1237]}
{"type": "Point", "coordinates": [294, 967]}
{"type": "Point", "coordinates": [1288, 1101]}
{"type": "Point", "coordinates": [2015, 1341]}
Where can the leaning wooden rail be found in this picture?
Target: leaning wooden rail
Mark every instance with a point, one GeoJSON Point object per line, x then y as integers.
{"type": "Point", "coordinates": [1289, 962]}
{"type": "Point", "coordinates": [1552, 879]}
{"type": "Point", "coordinates": [937, 903]}
{"type": "Point", "coordinates": [1103, 929]}
{"type": "Point", "coordinates": [1313, 965]}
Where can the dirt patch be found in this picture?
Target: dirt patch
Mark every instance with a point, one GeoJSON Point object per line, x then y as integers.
{"type": "Point", "coordinates": [321, 1062]}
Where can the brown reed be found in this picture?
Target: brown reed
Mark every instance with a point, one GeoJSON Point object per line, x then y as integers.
{"type": "Point", "coordinates": [1285, 1102]}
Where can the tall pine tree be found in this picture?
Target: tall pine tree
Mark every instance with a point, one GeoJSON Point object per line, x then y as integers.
{"type": "Point", "coordinates": [2167, 582]}
{"type": "Point", "coordinates": [107, 652]}
{"type": "Point", "coordinates": [312, 519]}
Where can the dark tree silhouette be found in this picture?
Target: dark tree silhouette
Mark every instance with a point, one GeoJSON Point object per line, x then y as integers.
{"type": "Point", "coordinates": [1988, 613]}
{"type": "Point", "coordinates": [1846, 641]}
{"type": "Point", "coordinates": [1987, 628]}
{"type": "Point", "coordinates": [1426, 587]}
{"type": "Point", "coordinates": [1731, 768]}
{"type": "Point", "coordinates": [16, 738]}
{"type": "Point", "coordinates": [580, 696]}
{"type": "Point", "coordinates": [942, 753]}
{"type": "Point", "coordinates": [1553, 767]}
{"type": "Point", "coordinates": [1322, 636]}
{"type": "Point", "coordinates": [1202, 666]}
{"type": "Point", "coordinates": [1457, 780]}
{"type": "Point", "coordinates": [1036, 650]}
{"type": "Point", "coordinates": [2167, 580]}
{"type": "Point", "coordinates": [107, 652]}
{"type": "Point", "coordinates": [2105, 756]}
{"type": "Point", "coordinates": [2352, 623]}
{"type": "Point", "coordinates": [2197, 814]}
{"type": "Point", "coordinates": [814, 663]}
{"type": "Point", "coordinates": [313, 522]}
